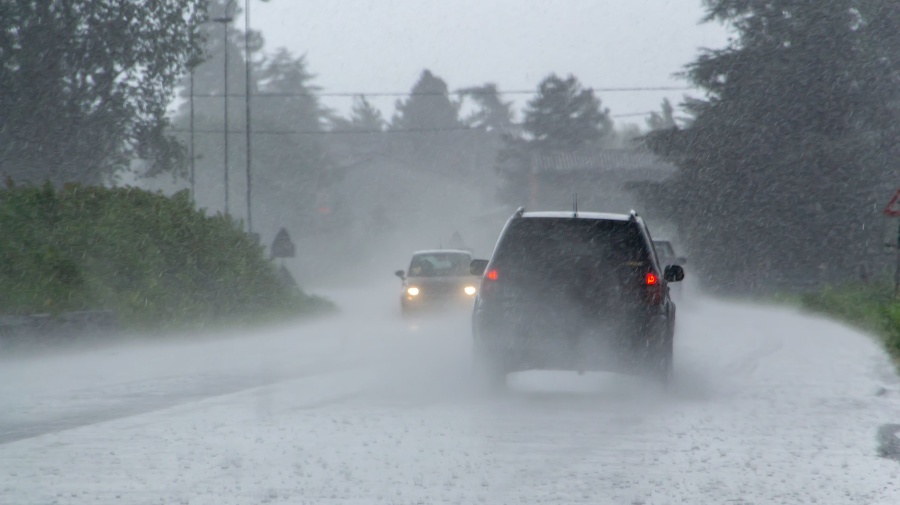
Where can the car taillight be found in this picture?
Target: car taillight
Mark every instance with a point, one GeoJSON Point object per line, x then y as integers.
{"type": "Point", "coordinates": [652, 289]}
{"type": "Point", "coordinates": [489, 283]}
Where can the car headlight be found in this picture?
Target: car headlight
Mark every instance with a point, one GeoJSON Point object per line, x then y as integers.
{"type": "Point", "coordinates": [470, 290]}
{"type": "Point", "coordinates": [412, 291]}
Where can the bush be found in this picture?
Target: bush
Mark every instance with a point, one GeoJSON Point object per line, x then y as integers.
{"type": "Point", "coordinates": [870, 306]}
{"type": "Point", "coordinates": [155, 260]}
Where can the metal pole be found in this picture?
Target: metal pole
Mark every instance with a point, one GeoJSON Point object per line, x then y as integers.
{"type": "Point", "coordinates": [193, 180]}
{"type": "Point", "coordinates": [247, 64]}
{"type": "Point", "coordinates": [225, 32]}
{"type": "Point", "coordinates": [225, 20]}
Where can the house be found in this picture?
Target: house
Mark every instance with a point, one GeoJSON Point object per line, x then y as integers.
{"type": "Point", "coordinates": [601, 178]}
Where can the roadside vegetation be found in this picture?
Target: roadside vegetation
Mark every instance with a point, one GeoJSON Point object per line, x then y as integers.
{"type": "Point", "coordinates": [155, 261]}
{"type": "Point", "coordinates": [871, 307]}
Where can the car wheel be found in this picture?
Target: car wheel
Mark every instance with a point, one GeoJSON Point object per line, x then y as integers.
{"type": "Point", "coordinates": [490, 372]}
{"type": "Point", "coordinates": [662, 360]}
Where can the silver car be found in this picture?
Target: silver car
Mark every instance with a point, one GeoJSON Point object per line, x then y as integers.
{"type": "Point", "coordinates": [438, 279]}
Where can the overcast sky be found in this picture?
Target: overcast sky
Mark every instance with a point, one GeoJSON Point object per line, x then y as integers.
{"type": "Point", "coordinates": [383, 45]}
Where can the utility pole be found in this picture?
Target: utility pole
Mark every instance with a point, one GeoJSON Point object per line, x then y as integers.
{"type": "Point", "coordinates": [225, 20]}
{"type": "Point", "coordinates": [191, 127]}
{"type": "Point", "coordinates": [247, 64]}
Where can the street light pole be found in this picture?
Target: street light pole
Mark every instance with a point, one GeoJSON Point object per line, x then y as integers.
{"type": "Point", "coordinates": [225, 20]}
{"type": "Point", "coordinates": [247, 64]}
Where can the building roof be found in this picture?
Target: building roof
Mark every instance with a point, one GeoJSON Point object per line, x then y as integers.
{"type": "Point", "coordinates": [639, 162]}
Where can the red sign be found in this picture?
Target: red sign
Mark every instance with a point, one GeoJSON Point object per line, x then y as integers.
{"type": "Point", "coordinates": [893, 207]}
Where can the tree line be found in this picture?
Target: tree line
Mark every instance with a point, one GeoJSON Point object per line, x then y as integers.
{"type": "Point", "coordinates": [88, 99]}
{"type": "Point", "coordinates": [87, 85]}
{"type": "Point", "coordinates": [786, 164]}
{"type": "Point", "coordinates": [782, 165]}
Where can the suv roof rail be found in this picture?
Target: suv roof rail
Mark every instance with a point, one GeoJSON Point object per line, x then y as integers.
{"type": "Point", "coordinates": [520, 211]}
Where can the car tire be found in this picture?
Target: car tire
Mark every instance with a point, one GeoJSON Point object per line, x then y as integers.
{"type": "Point", "coordinates": [666, 360]}
{"type": "Point", "coordinates": [662, 359]}
{"type": "Point", "coordinates": [489, 371]}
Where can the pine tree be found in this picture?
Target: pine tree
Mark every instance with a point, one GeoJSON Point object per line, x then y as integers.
{"type": "Point", "coordinates": [663, 119]}
{"type": "Point", "coordinates": [564, 115]}
{"type": "Point", "coordinates": [428, 107]}
{"type": "Point", "coordinates": [364, 118]}
{"type": "Point", "coordinates": [788, 151]}
{"type": "Point", "coordinates": [493, 113]}
{"type": "Point", "coordinates": [427, 129]}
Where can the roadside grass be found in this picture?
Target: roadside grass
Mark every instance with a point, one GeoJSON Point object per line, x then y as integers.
{"type": "Point", "coordinates": [156, 261]}
{"type": "Point", "coordinates": [870, 306]}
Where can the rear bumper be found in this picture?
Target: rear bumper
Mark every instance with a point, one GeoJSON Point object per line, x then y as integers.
{"type": "Point", "coordinates": [554, 341]}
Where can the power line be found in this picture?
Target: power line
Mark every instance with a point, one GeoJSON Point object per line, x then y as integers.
{"type": "Point", "coordinates": [409, 93]}
{"type": "Point", "coordinates": [332, 132]}
{"type": "Point", "coordinates": [360, 132]}
{"type": "Point", "coordinates": [634, 114]}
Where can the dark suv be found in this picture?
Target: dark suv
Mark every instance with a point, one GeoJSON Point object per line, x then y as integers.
{"type": "Point", "coordinates": [574, 291]}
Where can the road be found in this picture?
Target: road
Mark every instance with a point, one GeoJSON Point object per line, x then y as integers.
{"type": "Point", "coordinates": [769, 406]}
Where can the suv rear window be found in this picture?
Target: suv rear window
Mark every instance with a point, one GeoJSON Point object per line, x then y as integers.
{"type": "Point", "coordinates": [535, 244]}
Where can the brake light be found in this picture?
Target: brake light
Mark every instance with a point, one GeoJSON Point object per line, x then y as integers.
{"type": "Point", "coordinates": [653, 290]}
{"type": "Point", "coordinates": [492, 275]}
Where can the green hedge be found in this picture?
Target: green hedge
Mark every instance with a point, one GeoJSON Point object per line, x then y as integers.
{"type": "Point", "coordinates": [155, 260]}
{"type": "Point", "coordinates": [869, 306]}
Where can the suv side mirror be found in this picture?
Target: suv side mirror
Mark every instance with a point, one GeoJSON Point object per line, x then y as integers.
{"type": "Point", "coordinates": [401, 274]}
{"type": "Point", "coordinates": [673, 273]}
{"type": "Point", "coordinates": [477, 267]}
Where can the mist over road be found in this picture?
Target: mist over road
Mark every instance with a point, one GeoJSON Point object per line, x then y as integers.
{"type": "Point", "coordinates": [768, 406]}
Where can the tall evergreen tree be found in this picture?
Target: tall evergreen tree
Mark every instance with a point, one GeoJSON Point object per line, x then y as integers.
{"type": "Point", "coordinates": [290, 168]}
{"type": "Point", "coordinates": [663, 119]}
{"type": "Point", "coordinates": [364, 118]}
{"type": "Point", "coordinates": [493, 112]}
{"type": "Point", "coordinates": [788, 151]}
{"type": "Point", "coordinates": [564, 115]}
{"type": "Point", "coordinates": [428, 107]}
{"type": "Point", "coordinates": [427, 130]}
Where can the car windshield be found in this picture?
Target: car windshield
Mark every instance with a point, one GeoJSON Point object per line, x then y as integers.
{"type": "Point", "coordinates": [439, 265]}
